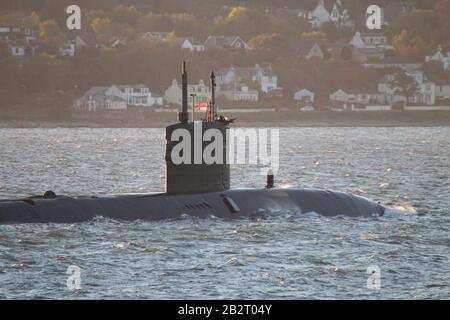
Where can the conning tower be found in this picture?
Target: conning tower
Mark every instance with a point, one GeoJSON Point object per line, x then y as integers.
{"type": "Point", "coordinates": [197, 176]}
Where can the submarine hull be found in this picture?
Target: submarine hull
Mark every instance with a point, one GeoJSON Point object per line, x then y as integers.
{"type": "Point", "coordinates": [231, 204]}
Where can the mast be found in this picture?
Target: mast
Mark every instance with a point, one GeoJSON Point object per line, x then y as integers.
{"type": "Point", "coordinates": [183, 116]}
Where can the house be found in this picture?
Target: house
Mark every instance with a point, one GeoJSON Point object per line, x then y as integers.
{"type": "Point", "coordinates": [309, 49]}
{"type": "Point", "coordinates": [191, 44]}
{"type": "Point", "coordinates": [85, 40]}
{"type": "Point", "coordinates": [369, 40]}
{"type": "Point", "coordinates": [96, 99]}
{"type": "Point", "coordinates": [224, 42]}
{"type": "Point", "coordinates": [442, 56]}
{"type": "Point", "coordinates": [426, 90]}
{"type": "Point", "coordinates": [442, 92]}
{"type": "Point", "coordinates": [156, 35]}
{"type": "Point", "coordinates": [17, 48]}
{"type": "Point", "coordinates": [173, 94]}
{"type": "Point", "coordinates": [264, 76]}
{"type": "Point", "coordinates": [355, 97]}
{"type": "Point", "coordinates": [117, 97]}
{"type": "Point", "coordinates": [304, 96]}
{"type": "Point", "coordinates": [68, 48]}
{"type": "Point", "coordinates": [238, 92]}
{"type": "Point", "coordinates": [327, 11]}
{"type": "Point", "coordinates": [408, 64]}
{"type": "Point", "coordinates": [111, 41]}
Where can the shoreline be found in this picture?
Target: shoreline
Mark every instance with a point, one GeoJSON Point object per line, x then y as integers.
{"type": "Point", "coordinates": [279, 119]}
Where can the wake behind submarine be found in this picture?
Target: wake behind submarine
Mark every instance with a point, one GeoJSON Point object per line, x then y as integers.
{"type": "Point", "coordinates": [200, 190]}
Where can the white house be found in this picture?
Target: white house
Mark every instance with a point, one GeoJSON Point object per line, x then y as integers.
{"type": "Point", "coordinates": [191, 44]}
{"type": "Point", "coordinates": [265, 77]}
{"type": "Point", "coordinates": [226, 42]}
{"type": "Point", "coordinates": [155, 35]}
{"type": "Point", "coordinates": [442, 56]}
{"type": "Point", "coordinates": [370, 40]}
{"type": "Point", "coordinates": [238, 92]}
{"type": "Point", "coordinates": [17, 49]}
{"type": "Point", "coordinates": [173, 94]}
{"type": "Point", "coordinates": [443, 91]}
{"type": "Point", "coordinates": [117, 97]}
{"type": "Point", "coordinates": [426, 90]}
{"type": "Point", "coordinates": [407, 64]}
{"type": "Point", "coordinates": [323, 13]}
{"type": "Point", "coordinates": [355, 97]}
{"type": "Point", "coordinates": [304, 95]}
{"type": "Point", "coordinates": [68, 48]}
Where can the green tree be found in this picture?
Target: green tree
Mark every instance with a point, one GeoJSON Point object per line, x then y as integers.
{"type": "Point", "coordinates": [404, 84]}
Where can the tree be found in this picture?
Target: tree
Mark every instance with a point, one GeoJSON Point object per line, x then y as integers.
{"type": "Point", "coordinates": [313, 35]}
{"type": "Point", "coordinates": [51, 36]}
{"type": "Point", "coordinates": [346, 53]}
{"type": "Point", "coordinates": [404, 84]}
{"type": "Point", "coordinates": [46, 73]}
{"type": "Point", "coordinates": [101, 25]}
{"type": "Point", "coordinates": [269, 46]}
{"type": "Point", "coordinates": [126, 15]}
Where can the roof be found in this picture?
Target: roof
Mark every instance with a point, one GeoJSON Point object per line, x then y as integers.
{"type": "Point", "coordinates": [89, 38]}
{"type": "Point", "coordinates": [181, 40]}
{"type": "Point", "coordinates": [221, 41]}
{"type": "Point", "coordinates": [304, 46]}
{"type": "Point", "coordinates": [304, 89]}
{"type": "Point", "coordinates": [96, 91]}
{"type": "Point", "coordinates": [137, 86]}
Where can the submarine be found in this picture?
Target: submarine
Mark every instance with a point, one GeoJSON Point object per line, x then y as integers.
{"type": "Point", "coordinates": [193, 188]}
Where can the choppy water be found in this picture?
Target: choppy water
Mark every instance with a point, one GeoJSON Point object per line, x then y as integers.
{"type": "Point", "coordinates": [284, 256]}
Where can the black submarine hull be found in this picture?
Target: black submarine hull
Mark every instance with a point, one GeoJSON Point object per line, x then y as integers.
{"type": "Point", "coordinates": [231, 204]}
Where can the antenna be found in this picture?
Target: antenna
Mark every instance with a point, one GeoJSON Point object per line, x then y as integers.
{"type": "Point", "coordinates": [213, 95]}
{"type": "Point", "coordinates": [183, 116]}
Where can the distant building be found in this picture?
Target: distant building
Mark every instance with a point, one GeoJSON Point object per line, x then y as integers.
{"type": "Point", "coordinates": [156, 35]}
{"type": "Point", "coordinates": [426, 90]}
{"type": "Point", "coordinates": [85, 40]}
{"type": "Point", "coordinates": [17, 48]}
{"type": "Point", "coordinates": [370, 40]}
{"type": "Point", "coordinates": [173, 94]}
{"type": "Point", "coordinates": [68, 48]}
{"type": "Point", "coordinates": [117, 97]}
{"type": "Point", "coordinates": [265, 77]}
{"type": "Point", "coordinates": [443, 92]}
{"type": "Point", "coordinates": [238, 92]}
{"type": "Point", "coordinates": [224, 42]}
{"type": "Point", "coordinates": [327, 11]}
{"type": "Point", "coordinates": [304, 96]}
{"type": "Point", "coordinates": [407, 64]}
{"type": "Point", "coordinates": [191, 44]}
{"type": "Point", "coordinates": [355, 97]}
{"type": "Point", "coordinates": [310, 49]}
{"type": "Point", "coordinates": [441, 55]}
